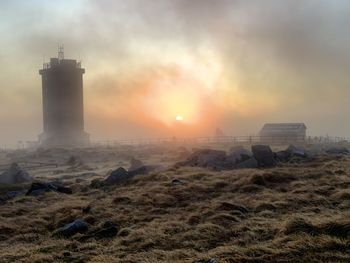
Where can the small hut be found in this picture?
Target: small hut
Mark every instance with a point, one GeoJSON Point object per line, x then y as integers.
{"type": "Point", "coordinates": [283, 133]}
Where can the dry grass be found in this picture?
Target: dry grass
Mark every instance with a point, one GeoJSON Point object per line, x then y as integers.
{"type": "Point", "coordinates": [294, 213]}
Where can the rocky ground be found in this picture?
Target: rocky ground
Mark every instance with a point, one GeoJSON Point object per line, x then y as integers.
{"type": "Point", "coordinates": [179, 207]}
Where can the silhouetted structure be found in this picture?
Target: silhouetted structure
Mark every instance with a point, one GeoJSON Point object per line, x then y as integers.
{"type": "Point", "coordinates": [283, 132]}
{"type": "Point", "coordinates": [63, 110]}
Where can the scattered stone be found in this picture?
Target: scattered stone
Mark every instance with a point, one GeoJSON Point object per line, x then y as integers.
{"type": "Point", "coordinates": [118, 176]}
{"type": "Point", "coordinates": [75, 161]}
{"type": "Point", "coordinates": [264, 155]}
{"type": "Point", "coordinates": [86, 209]}
{"type": "Point", "coordinates": [177, 182]}
{"type": "Point", "coordinates": [258, 180]}
{"type": "Point", "coordinates": [212, 260]}
{"type": "Point", "coordinates": [315, 151]}
{"type": "Point", "coordinates": [69, 230]}
{"type": "Point", "coordinates": [11, 194]}
{"type": "Point", "coordinates": [38, 188]}
{"type": "Point", "coordinates": [338, 150]}
{"type": "Point", "coordinates": [107, 230]}
{"type": "Point", "coordinates": [15, 175]}
{"type": "Point", "coordinates": [66, 254]}
{"type": "Point", "coordinates": [97, 183]}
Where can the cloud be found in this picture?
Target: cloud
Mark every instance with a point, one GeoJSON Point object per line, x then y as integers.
{"type": "Point", "coordinates": [277, 60]}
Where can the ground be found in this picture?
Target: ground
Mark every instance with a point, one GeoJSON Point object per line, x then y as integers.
{"type": "Point", "coordinates": [296, 212]}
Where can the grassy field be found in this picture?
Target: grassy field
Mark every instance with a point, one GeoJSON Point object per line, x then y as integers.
{"type": "Point", "coordinates": [292, 213]}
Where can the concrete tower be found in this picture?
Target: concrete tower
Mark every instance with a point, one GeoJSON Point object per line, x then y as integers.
{"type": "Point", "coordinates": [63, 109]}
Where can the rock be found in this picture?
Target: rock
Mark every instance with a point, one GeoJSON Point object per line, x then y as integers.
{"type": "Point", "coordinates": [75, 161]}
{"type": "Point", "coordinates": [258, 180]}
{"type": "Point", "coordinates": [107, 230]}
{"type": "Point", "coordinates": [291, 152]}
{"type": "Point", "coordinates": [231, 207]}
{"type": "Point", "coordinates": [135, 164]}
{"type": "Point", "coordinates": [238, 154]}
{"type": "Point", "coordinates": [97, 183]}
{"type": "Point", "coordinates": [212, 260]}
{"type": "Point", "coordinates": [264, 155]}
{"type": "Point", "coordinates": [338, 150]}
{"type": "Point", "coordinates": [295, 151]}
{"type": "Point", "coordinates": [282, 156]}
{"type": "Point", "coordinates": [177, 182]}
{"type": "Point", "coordinates": [15, 175]}
{"type": "Point", "coordinates": [210, 158]}
{"type": "Point", "coordinates": [38, 188]}
{"type": "Point", "coordinates": [315, 151]}
{"type": "Point", "coordinates": [121, 175]}
{"type": "Point", "coordinates": [11, 194]}
{"type": "Point", "coordinates": [118, 176]}
{"type": "Point", "coordinates": [69, 230]}
{"type": "Point", "coordinates": [206, 158]}
{"type": "Point", "coordinates": [86, 209]}
{"type": "Point", "coordinates": [250, 163]}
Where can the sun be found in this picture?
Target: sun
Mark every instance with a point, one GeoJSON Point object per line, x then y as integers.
{"type": "Point", "coordinates": [179, 118]}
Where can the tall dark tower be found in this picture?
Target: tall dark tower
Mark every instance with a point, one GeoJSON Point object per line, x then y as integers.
{"type": "Point", "coordinates": [63, 109]}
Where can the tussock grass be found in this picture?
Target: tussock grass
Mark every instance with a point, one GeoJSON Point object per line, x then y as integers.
{"type": "Point", "coordinates": [298, 212]}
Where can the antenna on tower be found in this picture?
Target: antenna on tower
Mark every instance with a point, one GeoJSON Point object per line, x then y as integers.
{"type": "Point", "coordinates": [60, 52]}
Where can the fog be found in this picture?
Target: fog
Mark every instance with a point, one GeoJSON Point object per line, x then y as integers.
{"type": "Point", "coordinates": [224, 63]}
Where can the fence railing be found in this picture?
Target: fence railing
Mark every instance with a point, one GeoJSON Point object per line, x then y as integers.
{"type": "Point", "coordinates": [28, 165]}
{"type": "Point", "coordinates": [226, 139]}
{"type": "Point", "coordinates": [254, 139]}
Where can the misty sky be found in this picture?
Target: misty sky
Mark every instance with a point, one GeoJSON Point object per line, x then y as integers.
{"type": "Point", "coordinates": [219, 63]}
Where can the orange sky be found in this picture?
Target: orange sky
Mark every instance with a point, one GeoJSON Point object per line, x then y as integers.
{"type": "Point", "coordinates": [232, 64]}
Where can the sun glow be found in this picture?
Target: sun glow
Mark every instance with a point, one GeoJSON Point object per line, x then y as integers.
{"type": "Point", "coordinates": [179, 118]}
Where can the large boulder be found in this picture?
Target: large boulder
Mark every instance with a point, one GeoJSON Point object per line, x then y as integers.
{"type": "Point", "coordinates": [69, 230]}
{"type": "Point", "coordinates": [264, 155]}
{"type": "Point", "coordinates": [291, 152]}
{"type": "Point", "coordinates": [15, 175]}
{"type": "Point", "coordinates": [239, 154]}
{"type": "Point", "coordinates": [38, 188]}
{"type": "Point", "coordinates": [118, 176]}
{"type": "Point", "coordinates": [247, 164]}
{"type": "Point", "coordinates": [207, 158]}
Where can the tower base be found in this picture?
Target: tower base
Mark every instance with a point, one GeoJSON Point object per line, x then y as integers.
{"type": "Point", "coordinates": [81, 139]}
